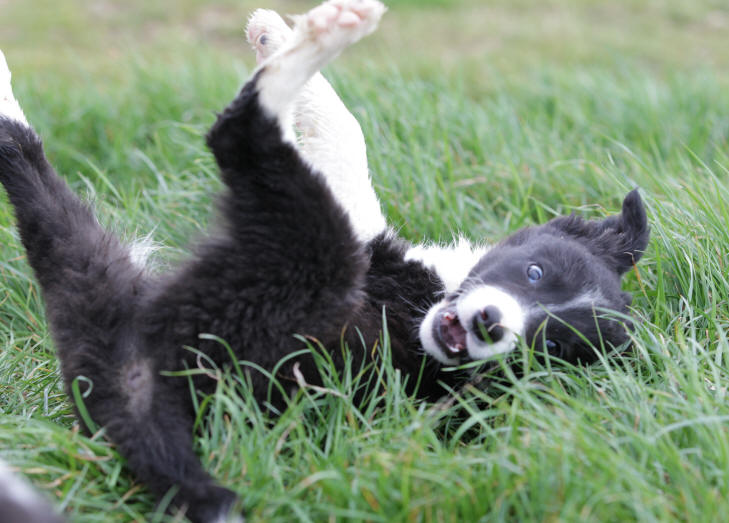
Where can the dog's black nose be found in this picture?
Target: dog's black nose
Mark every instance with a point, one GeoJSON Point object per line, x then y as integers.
{"type": "Point", "coordinates": [486, 325]}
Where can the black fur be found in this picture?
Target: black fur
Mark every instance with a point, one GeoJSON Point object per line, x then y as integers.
{"type": "Point", "coordinates": [282, 260]}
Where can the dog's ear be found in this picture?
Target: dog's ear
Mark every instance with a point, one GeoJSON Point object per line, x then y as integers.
{"type": "Point", "coordinates": [620, 240]}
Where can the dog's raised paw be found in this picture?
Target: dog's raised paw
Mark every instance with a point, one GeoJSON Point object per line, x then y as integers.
{"type": "Point", "coordinates": [266, 31]}
{"type": "Point", "coordinates": [338, 23]}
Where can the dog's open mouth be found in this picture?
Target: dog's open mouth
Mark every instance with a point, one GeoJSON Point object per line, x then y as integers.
{"type": "Point", "coordinates": [450, 332]}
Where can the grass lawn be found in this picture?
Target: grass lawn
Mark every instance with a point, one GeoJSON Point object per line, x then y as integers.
{"type": "Point", "coordinates": [481, 117]}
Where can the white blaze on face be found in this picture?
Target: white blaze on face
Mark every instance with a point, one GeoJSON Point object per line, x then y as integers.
{"type": "Point", "coordinates": [587, 299]}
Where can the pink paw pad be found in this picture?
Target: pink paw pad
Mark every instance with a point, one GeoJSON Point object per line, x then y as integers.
{"type": "Point", "coordinates": [350, 14]}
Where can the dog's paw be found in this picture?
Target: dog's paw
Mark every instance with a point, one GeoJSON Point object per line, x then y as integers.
{"type": "Point", "coordinates": [339, 23]}
{"type": "Point", "coordinates": [266, 32]}
{"type": "Point", "coordinates": [9, 106]}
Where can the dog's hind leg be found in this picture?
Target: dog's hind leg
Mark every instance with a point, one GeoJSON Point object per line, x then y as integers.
{"type": "Point", "coordinates": [85, 273]}
{"type": "Point", "coordinates": [91, 289]}
{"type": "Point", "coordinates": [328, 135]}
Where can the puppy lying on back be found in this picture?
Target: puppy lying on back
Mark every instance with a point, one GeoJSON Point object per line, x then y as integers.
{"type": "Point", "coordinates": [302, 248]}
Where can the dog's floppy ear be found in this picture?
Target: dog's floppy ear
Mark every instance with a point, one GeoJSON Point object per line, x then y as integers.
{"type": "Point", "coordinates": [620, 240]}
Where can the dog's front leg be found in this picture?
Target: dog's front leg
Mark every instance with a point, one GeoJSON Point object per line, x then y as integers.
{"type": "Point", "coordinates": [285, 228]}
{"type": "Point", "coordinates": [327, 134]}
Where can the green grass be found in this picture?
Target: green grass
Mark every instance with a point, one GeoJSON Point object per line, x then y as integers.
{"type": "Point", "coordinates": [544, 108]}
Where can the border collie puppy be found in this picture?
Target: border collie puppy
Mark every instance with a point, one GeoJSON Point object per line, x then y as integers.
{"type": "Point", "coordinates": [301, 248]}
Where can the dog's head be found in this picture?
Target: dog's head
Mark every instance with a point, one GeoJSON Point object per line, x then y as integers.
{"type": "Point", "coordinates": [548, 282]}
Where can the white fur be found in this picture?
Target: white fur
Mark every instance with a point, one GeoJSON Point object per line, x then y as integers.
{"type": "Point", "coordinates": [513, 321]}
{"type": "Point", "coordinates": [451, 263]}
{"type": "Point", "coordinates": [331, 140]}
{"type": "Point", "coordinates": [318, 37]}
{"type": "Point", "coordinates": [588, 298]}
{"type": "Point", "coordinates": [15, 490]}
{"type": "Point", "coordinates": [329, 137]}
{"type": "Point", "coordinates": [427, 340]}
{"type": "Point", "coordinates": [9, 106]}
{"type": "Point", "coordinates": [141, 249]}
{"type": "Point", "coordinates": [266, 31]}
{"type": "Point", "coordinates": [229, 518]}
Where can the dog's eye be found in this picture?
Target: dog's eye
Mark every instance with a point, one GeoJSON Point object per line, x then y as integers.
{"type": "Point", "coordinates": [534, 272]}
{"type": "Point", "coordinates": [552, 346]}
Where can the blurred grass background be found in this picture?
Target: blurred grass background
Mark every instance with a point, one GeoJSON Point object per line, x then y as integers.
{"type": "Point", "coordinates": [508, 37]}
{"type": "Point", "coordinates": [480, 117]}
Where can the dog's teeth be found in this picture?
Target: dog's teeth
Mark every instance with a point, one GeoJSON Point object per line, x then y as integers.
{"type": "Point", "coordinates": [449, 316]}
{"type": "Point", "coordinates": [457, 348]}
